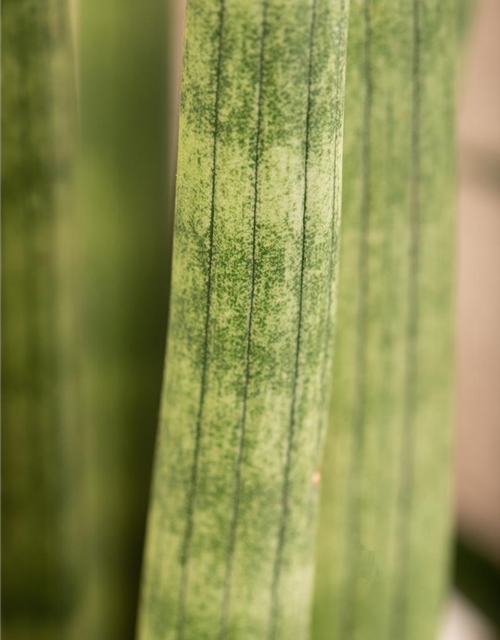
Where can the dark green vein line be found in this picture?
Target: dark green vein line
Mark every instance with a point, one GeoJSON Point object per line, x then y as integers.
{"type": "Point", "coordinates": [347, 617]}
{"type": "Point", "coordinates": [389, 265]}
{"type": "Point", "coordinates": [388, 258]}
{"type": "Point", "coordinates": [193, 487]}
{"type": "Point", "coordinates": [273, 612]}
{"type": "Point", "coordinates": [405, 497]}
{"type": "Point", "coordinates": [241, 444]}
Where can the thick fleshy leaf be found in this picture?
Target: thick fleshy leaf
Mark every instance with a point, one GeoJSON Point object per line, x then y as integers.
{"type": "Point", "coordinates": [385, 521]}
{"type": "Point", "coordinates": [231, 530]}
{"type": "Point", "coordinates": [42, 505]}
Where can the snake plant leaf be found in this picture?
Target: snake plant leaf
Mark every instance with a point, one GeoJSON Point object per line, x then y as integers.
{"type": "Point", "coordinates": [126, 199]}
{"type": "Point", "coordinates": [231, 528]}
{"type": "Point", "coordinates": [382, 560]}
{"type": "Point", "coordinates": [42, 510]}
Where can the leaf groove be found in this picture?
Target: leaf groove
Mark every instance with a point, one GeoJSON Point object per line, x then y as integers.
{"type": "Point", "coordinates": [291, 431]}
{"type": "Point", "coordinates": [186, 547]}
{"type": "Point", "coordinates": [346, 620]}
{"type": "Point", "coordinates": [399, 612]}
{"type": "Point", "coordinates": [241, 443]}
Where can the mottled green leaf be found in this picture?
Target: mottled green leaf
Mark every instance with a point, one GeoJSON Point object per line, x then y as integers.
{"type": "Point", "coordinates": [229, 551]}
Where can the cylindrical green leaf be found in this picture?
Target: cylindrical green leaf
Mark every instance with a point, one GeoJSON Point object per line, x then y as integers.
{"type": "Point", "coordinates": [42, 507]}
{"type": "Point", "coordinates": [385, 519]}
{"type": "Point", "coordinates": [229, 550]}
{"type": "Point", "coordinates": [126, 198]}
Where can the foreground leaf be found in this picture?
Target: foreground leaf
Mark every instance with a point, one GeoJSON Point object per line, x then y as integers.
{"type": "Point", "coordinates": [229, 551]}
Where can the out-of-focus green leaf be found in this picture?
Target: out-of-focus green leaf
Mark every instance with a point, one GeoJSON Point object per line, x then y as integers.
{"type": "Point", "coordinates": [42, 507]}
{"type": "Point", "coordinates": [383, 549]}
{"type": "Point", "coordinates": [125, 189]}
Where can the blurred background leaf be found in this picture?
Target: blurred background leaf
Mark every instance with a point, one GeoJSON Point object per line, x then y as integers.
{"type": "Point", "coordinates": [43, 512]}
{"type": "Point", "coordinates": [126, 175]}
{"type": "Point", "coordinates": [385, 521]}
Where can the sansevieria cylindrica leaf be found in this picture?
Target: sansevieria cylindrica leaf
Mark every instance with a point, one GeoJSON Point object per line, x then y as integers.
{"type": "Point", "coordinates": [385, 519]}
{"type": "Point", "coordinates": [125, 199]}
{"type": "Point", "coordinates": [231, 528]}
{"type": "Point", "coordinates": [42, 507]}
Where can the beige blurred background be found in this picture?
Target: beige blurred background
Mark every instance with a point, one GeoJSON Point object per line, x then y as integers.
{"type": "Point", "coordinates": [477, 458]}
{"type": "Point", "coordinates": [478, 437]}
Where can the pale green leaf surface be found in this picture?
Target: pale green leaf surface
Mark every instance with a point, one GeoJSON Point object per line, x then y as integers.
{"type": "Point", "coordinates": [229, 549]}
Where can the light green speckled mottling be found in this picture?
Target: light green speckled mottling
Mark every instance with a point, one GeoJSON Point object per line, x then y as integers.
{"type": "Point", "coordinates": [229, 550]}
{"type": "Point", "coordinates": [385, 519]}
